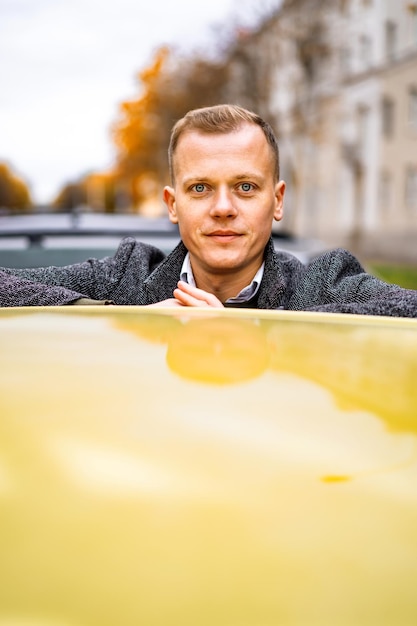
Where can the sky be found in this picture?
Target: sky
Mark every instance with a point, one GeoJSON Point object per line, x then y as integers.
{"type": "Point", "coordinates": [66, 65]}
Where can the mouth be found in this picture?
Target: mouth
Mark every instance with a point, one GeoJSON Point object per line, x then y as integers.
{"type": "Point", "coordinates": [224, 236]}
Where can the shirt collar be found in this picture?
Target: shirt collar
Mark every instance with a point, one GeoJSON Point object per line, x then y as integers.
{"type": "Point", "coordinates": [247, 292]}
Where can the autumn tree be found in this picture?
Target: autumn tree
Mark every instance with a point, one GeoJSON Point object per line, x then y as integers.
{"type": "Point", "coordinates": [170, 87]}
{"type": "Point", "coordinates": [14, 193]}
{"type": "Point", "coordinates": [97, 191]}
{"type": "Point", "coordinates": [70, 197]}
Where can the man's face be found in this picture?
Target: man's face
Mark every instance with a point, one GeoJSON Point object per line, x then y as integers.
{"type": "Point", "coordinates": [225, 199]}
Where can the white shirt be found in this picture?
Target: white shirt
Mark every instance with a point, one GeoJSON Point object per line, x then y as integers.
{"type": "Point", "coordinates": [243, 296]}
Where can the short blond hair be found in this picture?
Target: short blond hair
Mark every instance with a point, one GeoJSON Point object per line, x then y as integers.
{"type": "Point", "coordinates": [221, 118]}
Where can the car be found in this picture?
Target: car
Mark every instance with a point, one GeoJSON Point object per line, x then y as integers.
{"type": "Point", "coordinates": [41, 240]}
{"type": "Point", "coordinates": [191, 467]}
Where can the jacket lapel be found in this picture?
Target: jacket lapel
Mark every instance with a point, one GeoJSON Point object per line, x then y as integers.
{"type": "Point", "coordinates": [163, 280]}
{"type": "Point", "coordinates": [273, 285]}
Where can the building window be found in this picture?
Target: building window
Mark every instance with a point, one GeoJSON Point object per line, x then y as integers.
{"type": "Point", "coordinates": [365, 50]}
{"type": "Point", "coordinates": [344, 5]}
{"type": "Point", "coordinates": [385, 191]}
{"type": "Point", "coordinates": [387, 117]}
{"type": "Point", "coordinates": [411, 187]}
{"type": "Point", "coordinates": [391, 35]}
{"type": "Point", "coordinates": [362, 132]}
{"type": "Point", "coordinates": [345, 60]}
{"type": "Point", "coordinates": [412, 107]}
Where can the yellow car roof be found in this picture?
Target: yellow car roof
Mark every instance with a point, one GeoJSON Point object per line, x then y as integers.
{"type": "Point", "coordinates": [207, 467]}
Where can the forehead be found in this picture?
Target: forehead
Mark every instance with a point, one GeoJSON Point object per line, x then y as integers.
{"type": "Point", "coordinates": [245, 147]}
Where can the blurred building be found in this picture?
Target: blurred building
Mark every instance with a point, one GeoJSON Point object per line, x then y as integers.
{"type": "Point", "coordinates": [338, 80]}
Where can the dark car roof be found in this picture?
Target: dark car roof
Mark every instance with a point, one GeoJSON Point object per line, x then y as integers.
{"type": "Point", "coordinates": [40, 240]}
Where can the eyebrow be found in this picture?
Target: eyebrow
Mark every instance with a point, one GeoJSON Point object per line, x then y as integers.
{"type": "Point", "coordinates": [243, 176]}
{"type": "Point", "coordinates": [194, 179]}
{"type": "Point", "coordinates": [249, 175]}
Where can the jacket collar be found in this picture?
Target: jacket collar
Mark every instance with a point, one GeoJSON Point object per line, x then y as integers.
{"type": "Point", "coordinates": [273, 285]}
{"type": "Point", "coordinates": [161, 283]}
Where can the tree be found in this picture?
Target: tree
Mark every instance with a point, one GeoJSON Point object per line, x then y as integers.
{"type": "Point", "coordinates": [14, 193]}
{"type": "Point", "coordinates": [93, 192]}
{"type": "Point", "coordinates": [139, 133]}
{"type": "Point", "coordinates": [170, 87]}
{"type": "Point", "coordinates": [70, 197]}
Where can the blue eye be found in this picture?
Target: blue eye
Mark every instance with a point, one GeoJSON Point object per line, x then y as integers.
{"type": "Point", "coordinates": [199, 188]}
{"type": "Point", "coordinates": [246, 187]}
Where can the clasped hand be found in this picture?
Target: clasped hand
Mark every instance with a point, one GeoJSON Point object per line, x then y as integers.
{"type": "Point", "coordinates": [187, 295]}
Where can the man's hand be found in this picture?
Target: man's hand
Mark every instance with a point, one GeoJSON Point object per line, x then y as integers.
{"type": "Point", "coordinates": [187, 295]}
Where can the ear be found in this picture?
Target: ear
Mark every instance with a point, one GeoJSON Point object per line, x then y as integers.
{"type": "Point", "coordinates": [279, 200]}
{"type": "Point", "coordinates": [169, 199]}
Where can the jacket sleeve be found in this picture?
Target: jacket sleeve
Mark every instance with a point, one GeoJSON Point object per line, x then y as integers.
{"type": "Point", "coordinates": [336, 282]}
{"type": "Point", "coordinates": [95, 279]}
{"type": "Point", "coordinates": [18, 291]}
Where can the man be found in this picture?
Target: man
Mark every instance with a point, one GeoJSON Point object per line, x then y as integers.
{"type": "Point", "coordinates": [225, 194]}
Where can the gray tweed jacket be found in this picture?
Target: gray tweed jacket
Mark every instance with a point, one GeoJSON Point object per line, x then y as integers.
{"type": "Point", "coordinates": [139, 274]}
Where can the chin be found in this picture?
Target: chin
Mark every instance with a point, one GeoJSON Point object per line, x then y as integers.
{"type": "Point", "coordinates": [225, 262]}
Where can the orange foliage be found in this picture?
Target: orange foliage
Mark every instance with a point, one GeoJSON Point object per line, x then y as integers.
{"type": "Point", "coordinates": [170, 87]}
{"type": "Point", "coordinates": [14, 193]}
{"type": "Point", "coordinates": [96, 191]}
{"type": "Point", "coordinates": [139, 131]}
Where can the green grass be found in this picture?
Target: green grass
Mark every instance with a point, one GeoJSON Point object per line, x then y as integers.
{"type": "Point", "coordinates": [403, 275]}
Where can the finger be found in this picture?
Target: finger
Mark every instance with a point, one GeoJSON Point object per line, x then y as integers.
{"type": "Point", "coordinates": [185, 299]}
{"type": "Point", "coordinates": [199, 294]}
{"type": "Point", "coordinates": [193, 296]}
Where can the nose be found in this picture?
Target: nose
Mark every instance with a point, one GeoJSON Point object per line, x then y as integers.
{"type": "Point", "coordinates": [223, 203]}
